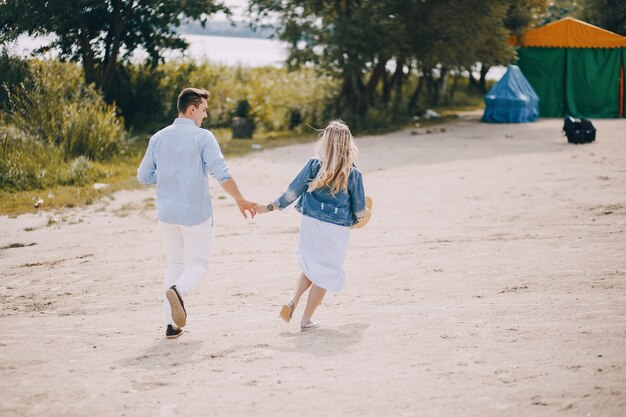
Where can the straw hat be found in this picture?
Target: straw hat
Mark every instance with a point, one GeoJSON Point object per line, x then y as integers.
{"type": "Point", "coordinates": [368, 214]}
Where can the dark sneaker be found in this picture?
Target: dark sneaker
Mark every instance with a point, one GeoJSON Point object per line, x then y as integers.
{"type": "Point", "coordinates": [179, 314]}
{"type": "Point", "coordinates": [172, 333]}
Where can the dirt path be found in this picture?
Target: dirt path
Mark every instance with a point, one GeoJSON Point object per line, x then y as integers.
{"type": "Point", "coordinates": [491, 281]}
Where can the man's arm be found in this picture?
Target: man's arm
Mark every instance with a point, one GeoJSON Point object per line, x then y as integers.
{"type": "Point", "coordinates": [146, 173]}
{"type": "Point", "coordinates": [230, 186]}
{"type": "Point", "coordinates": [216, 165]}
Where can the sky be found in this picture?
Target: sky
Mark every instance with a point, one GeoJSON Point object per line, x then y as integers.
{"type": "Point", "coordinates": [237, 7]}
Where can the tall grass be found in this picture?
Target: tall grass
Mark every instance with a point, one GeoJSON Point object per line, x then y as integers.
{"type": "Point", "coordinates": [27, 163]}
{"type": "Point", "coordinates": [279, 99]}
{"type": "Point", "coordinates": [13, 72]}
{"type": "Point", "coordinates": [56, 108]}
{"type": "Point", "coordinates": [55, 130]}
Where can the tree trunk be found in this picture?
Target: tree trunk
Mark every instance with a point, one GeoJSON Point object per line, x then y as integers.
{"type": "Point", "coordinates": [368, 92]}
{"type": "Point", "coordinates": [473, 82]}
{"type": "Point", "coordinates": [484, 68]}
{"type": "Point", "coordinates": [398, 74]}
{"type": "Point", "coordinates": [347, 93]}
{"type": "Point", "coordinates": [386, 87]}
{"type": "Point", "coordinates": [87, 53]}
{"type": "Point", "coordinates": [396, 79]}
{"type": "Point", "coordinates": [117, 25]}
{"type": "Point", "coordinates": [442, 84]}
{"type": "Point", "coordinates": [431, 88]}
{"type": "Point", "coordinates": [415, 96]}
{"type": "Point", "coordinates": [455, 84]}
{"type": "Point", "coordinates": [107, 48]}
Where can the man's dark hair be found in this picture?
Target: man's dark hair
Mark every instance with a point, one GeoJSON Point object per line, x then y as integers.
{"type": "Point", "coordinates": [191, 96]}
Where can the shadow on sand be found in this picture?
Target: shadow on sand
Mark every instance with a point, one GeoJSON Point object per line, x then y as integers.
{"type": "Point", "coordinates": [320, 342]}
{"type": "Point", "coordinates": [164, 354]}
{"type": "Point", "coordinates": [324, 341]}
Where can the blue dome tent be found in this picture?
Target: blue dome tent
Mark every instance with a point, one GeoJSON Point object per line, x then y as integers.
{"type": "Point", "coordinates": [511, 100]}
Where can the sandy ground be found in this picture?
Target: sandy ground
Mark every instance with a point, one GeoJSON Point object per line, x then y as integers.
{"type": "Point", "coordinates": [490, 282]}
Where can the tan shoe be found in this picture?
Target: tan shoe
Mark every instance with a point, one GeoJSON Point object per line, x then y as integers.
{"type": "Point", "coordinates": [286, 311]}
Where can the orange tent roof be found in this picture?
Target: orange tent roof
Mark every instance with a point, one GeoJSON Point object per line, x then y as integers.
{"type": "Point", "coordinates": [571, 33]}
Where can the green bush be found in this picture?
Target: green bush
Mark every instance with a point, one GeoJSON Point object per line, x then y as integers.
{"type": "Point", "coordinates": [13, 72]}
{"type": "Point", "coordinates": [273, 94]}
{"type": "Point", "coordinates": [139, 95]}
{"type": "Point", "coordinates": [58, 109]}
{"type": "Point", "coordinates": [242, 109]}
{"type": "Point", "coordinates": [28, 164]}
{"type": "Point", "coordinates": [278, 99]}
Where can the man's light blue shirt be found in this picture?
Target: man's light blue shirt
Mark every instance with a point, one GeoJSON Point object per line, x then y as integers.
{"type": "Point", "coordinates": [179, 159]}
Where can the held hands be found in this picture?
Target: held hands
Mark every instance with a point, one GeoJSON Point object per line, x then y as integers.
{"type": "Point", "coordinates": [261, 208]}
{"type": "Point", "coordinates": [246, 206]}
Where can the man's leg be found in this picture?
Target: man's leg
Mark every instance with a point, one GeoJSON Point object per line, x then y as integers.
{"type": "Point", "coordinates": [175, 262]}
{"type": "Point", "coordinates": [197, 246]}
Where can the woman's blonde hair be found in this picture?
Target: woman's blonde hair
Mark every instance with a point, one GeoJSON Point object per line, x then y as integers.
{"type": "Point", "coordinates": [336, 151]}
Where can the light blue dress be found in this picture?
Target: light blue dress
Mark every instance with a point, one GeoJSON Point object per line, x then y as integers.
{"type": "Point", "coordinates": [322, 251]}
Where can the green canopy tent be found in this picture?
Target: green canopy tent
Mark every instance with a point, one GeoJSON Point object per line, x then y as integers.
{"type": "Point", "coordinates": [575, 68]}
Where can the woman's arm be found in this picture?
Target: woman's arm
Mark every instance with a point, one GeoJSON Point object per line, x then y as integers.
{"type": "Point", "coordinates": [296, 188]}
{"type": "Point", "coordinates": [357, 195]}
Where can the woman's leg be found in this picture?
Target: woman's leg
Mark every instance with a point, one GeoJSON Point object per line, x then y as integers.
{"type": "Point", "coordinates": [316, 294]}
{"type": "Point", "coordinates": [302, 285]}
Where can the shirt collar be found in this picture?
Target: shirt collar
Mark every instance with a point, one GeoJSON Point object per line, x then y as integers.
{"type": "Point", "coordinates": [184, 121]}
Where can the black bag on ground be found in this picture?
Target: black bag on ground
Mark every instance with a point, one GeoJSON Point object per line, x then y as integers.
{"type": "Point", "coordinates": [579, 131]}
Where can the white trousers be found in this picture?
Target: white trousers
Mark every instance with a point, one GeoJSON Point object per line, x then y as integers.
{"type": "Point", "coordinates": [187, 249]}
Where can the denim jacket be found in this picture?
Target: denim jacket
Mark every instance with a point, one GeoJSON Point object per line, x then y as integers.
{"type": "Point", "coordinates": [343, 209]}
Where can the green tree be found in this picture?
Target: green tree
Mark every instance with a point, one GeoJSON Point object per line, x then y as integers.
{"type": "Point", "coordinates": [351, 40]}
{"type": "Point", "coordinates": [509, 18]}
{"type": "Point", "coordinates": [455, 36]}
{"type": "Point", "coordinates": [608, 14]}
{"type": "Point", "coordinates": [102, 34]}
{"type": "Point", "coordinates": [366, 43]}
{"type": "Point", "coordinates": [13, 72]}
{"type": "Point", "coordinates": [558, 9]}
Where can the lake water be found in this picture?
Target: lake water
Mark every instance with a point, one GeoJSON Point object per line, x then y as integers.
{"type": "Point", "coordinates": [251, 52]}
